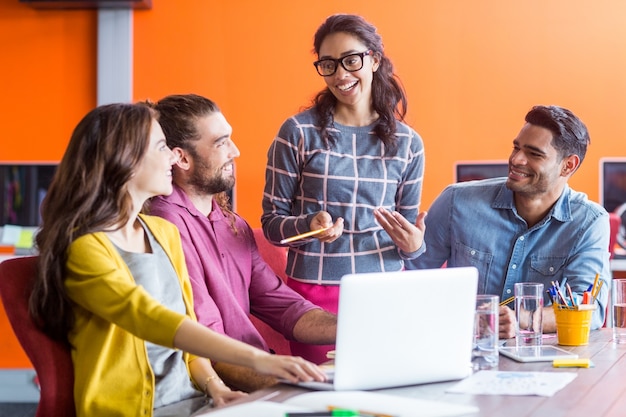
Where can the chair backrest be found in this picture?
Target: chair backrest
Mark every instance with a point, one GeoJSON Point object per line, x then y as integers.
{"type": "Point", "coordinates": [276, 258]}
{"type": "Point", "coordinates": [52, 360]}
{"type": "Point", "coordinates": [615, 222]}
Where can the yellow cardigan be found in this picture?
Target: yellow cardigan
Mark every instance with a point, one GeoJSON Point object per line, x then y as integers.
{"type": "Point", "coordinates": [113, 318]}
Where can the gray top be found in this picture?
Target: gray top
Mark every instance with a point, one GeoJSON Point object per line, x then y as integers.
{"type": "Point", "coordinates": [155, 273]}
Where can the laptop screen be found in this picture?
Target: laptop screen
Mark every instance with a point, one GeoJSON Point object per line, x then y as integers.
{"type": "Point", "coordinates": [479, 170]}
{"type": "Point", "coordinates": [612, 183]}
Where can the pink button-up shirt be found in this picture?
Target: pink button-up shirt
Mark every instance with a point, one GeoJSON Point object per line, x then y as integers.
{"type": "Point", "coordinates": [229, 277]}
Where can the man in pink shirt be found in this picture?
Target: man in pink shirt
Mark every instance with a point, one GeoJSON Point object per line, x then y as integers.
{"type": "Point", "coordinates": [230, 280]}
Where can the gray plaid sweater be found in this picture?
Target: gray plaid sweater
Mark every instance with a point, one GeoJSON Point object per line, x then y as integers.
{"type": "Point", "coordinates": [349, 180]}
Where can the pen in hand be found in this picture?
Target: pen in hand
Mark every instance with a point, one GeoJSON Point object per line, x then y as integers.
{"type": "Point", "coordinates": [507, 301]}
{"type": "Point", "coordinates": [303, 235]}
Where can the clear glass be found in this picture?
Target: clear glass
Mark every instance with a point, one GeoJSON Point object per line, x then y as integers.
{"type": "Point", "coordinates": [618, 301]}
{"type": "Point", "coordinates": [485, 348]}
{"type": "Point", "coordinates": [328, 66]}
{"type": "Point", "coordinates": [528, 313]}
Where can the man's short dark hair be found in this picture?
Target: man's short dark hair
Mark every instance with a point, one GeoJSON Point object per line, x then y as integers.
{"type": "Point", "coordinates": [570, 135]}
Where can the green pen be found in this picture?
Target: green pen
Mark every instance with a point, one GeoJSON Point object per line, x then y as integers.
{"type": "Point", "coordinates": [340, 412]}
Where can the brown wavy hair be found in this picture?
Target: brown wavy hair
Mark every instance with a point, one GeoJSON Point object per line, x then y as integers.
{"type": "Point", "coordinates": [388, 96]}
{"type": "Point", "coordinates": [88, 193]}
{"type": "Point", "coordinates": [179, 115]}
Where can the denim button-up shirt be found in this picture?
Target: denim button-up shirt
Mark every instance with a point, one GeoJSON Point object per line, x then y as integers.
{"type": "Point", "coordinates": [476, 224]}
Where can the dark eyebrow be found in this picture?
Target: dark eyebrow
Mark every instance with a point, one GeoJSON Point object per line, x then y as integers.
{"type": "Point", "coordinates": [532, 148]}
{"type": "Point", "coordinates": [350, 52]}
{"type": "Point", "coordinates": [535, 149]}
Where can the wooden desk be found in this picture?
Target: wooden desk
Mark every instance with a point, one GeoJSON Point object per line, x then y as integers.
{"type": "Point", "coordinates": [598, 391]}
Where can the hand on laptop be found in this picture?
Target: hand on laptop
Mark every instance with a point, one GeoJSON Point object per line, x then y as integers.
{"type": "Point", "coordinates": [290, 368]}
{"type": "Point", "coordinates": [507, 323]}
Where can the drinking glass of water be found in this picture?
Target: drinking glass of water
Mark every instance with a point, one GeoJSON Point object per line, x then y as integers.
{"type": "Point", "coordinates": [485, 349]}
{"type": "Point", "coordinates": [528, 313]}
{"type": "Point", "coordinates": [618, 299]}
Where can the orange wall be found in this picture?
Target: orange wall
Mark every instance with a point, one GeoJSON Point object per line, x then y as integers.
{"type": "Point", "coordinates": [48, 75]}
{"type": "Point", "coordinates": [471, 71]}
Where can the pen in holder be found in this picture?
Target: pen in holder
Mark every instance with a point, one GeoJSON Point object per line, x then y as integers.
{"type": "Point", "coordinates": [573, 323]}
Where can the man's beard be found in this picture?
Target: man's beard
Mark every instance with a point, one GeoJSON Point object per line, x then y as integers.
{"type": "Point", "coordinates": [205, 184]}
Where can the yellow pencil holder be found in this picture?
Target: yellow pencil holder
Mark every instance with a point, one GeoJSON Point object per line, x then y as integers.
{"type": "Point", "coordinates": [573, 324]}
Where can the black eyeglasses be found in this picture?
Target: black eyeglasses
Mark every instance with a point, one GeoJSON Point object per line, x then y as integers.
{"type": "Point", "coordinates": [353, 62]}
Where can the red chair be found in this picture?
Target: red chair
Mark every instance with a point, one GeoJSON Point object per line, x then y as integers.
{"type": "Point", "coordinates": [276, 258]}
{"type": "Point", "coordinates": [615, 222]}
{"type": "Point", "coordinates": [52, 360]}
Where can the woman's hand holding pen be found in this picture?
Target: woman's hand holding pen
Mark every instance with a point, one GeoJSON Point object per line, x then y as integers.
{"type": "Point", "coordinates": [323, 220]}
{"type": "Point", "coordinates": [406, 236]}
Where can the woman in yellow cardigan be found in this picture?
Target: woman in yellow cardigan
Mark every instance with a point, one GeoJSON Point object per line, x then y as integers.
{"type": "Point", "coordinates": [113, 283]}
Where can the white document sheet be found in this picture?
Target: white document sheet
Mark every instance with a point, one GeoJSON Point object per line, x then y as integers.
{"type": "Point", "coordinates": [254, 409]}
{"type": "Point", "coordinates": [374, 403]}
{"type": "Point", "coordinates": [544, 384]}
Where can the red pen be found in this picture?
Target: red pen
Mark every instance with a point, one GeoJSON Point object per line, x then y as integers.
{"type": "Point", "coordinates": [586, 297]}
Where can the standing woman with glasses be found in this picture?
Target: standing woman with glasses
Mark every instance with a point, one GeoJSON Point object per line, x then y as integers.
{"type": "Point", "coordinates": [348, 164]}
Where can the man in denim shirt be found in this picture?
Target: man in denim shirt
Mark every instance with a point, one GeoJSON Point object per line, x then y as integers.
{"type": "Point", "coordinates": [530, 226]}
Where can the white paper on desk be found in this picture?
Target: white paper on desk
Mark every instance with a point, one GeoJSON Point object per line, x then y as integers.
{"type": "Point", "coordinates": [545, 384]}
{"type": "Point", "coordinates": [372, 402]}
{"type": "Point", "coordinates": [254, 409]}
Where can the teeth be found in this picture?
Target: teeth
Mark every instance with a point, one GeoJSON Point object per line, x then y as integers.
{"type": "Point", "coordinates": [519, 173]}
{"type": "Point", "coordinates": [346, 86]}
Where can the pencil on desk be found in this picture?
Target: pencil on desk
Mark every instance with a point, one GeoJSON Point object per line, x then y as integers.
{"type": "Point", "coordinates": [302, 235]}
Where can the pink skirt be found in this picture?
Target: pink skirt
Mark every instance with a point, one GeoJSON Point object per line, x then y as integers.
{"type": "Point", "coordinates": [324, 296]}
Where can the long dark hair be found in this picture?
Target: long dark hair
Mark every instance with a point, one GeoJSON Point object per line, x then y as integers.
{"type": "Point", "coordinates": [88, 194]}
{"type": "Point", "coordinates": [388, 96]}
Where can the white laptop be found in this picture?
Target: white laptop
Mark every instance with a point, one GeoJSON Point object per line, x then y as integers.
{"type": "Point", "coordinates": [403, 328]}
